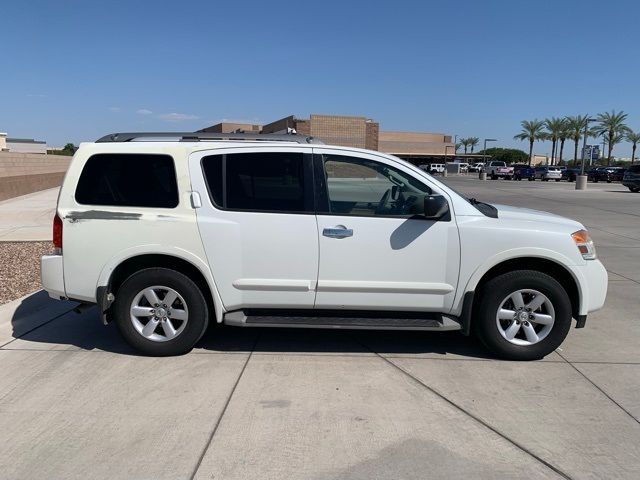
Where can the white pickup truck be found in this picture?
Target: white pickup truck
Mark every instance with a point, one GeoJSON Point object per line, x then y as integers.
{"type": "Point", "coordinates": [497, 169]}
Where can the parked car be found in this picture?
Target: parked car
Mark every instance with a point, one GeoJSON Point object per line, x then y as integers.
{"type": "Point", "coordinates": [606, 174]}
{"type": "Point", "coordinates": [280, 230]}
{"type": "Point", "coordinates": [546, 173]}
{"type": "Point", "coordinates": [463, 167]}
{"type": "Point", "coordinates": [631, 178]}
{"type": "Point", "coordinates": [524, 171]}
{"type": "Point", "coordinates": [498, 169]}
{"type": "Point", "coordinates": [433, 168]}
{"type": "Point", "coordinates": [570, 174]}
{"type": "Point", "coordinates": [476, 167]}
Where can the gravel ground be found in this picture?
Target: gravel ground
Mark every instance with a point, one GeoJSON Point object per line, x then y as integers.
{"type": "Point", "coordinates": [20, 268]}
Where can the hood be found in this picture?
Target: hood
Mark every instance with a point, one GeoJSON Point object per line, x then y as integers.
{"type": "Point", "coordinates": [527, 215]}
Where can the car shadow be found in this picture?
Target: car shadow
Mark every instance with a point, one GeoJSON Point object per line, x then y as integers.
{"type": "Point", "coordinates": [85, 331]}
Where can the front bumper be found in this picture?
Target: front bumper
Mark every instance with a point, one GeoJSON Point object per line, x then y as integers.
{"type": "Point", "coordinates": [52, 276]}
{"type": "Point", "coordinates": [593, 286]}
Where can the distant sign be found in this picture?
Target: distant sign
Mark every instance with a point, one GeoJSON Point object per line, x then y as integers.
{"type": "Point", "coordinates": [591, 152]}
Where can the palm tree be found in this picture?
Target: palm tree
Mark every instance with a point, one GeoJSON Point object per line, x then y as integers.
{"type": "Point", "coordinates": [565, 133]}
{"type": "Point", "coordinates": [575, 125]}
{"type": "Point", "coordinates": [633, 138]}
{"type": "Point", "coordinates": [612, 126]}
{"type": "Point", "coordinates": [465, 143]}
{"type": "Point", "coordinates": [554, 126]}
{"type": "Point", "coordinates": [532, 130]}
{"type": "Point", "coordinates": [473, 142]}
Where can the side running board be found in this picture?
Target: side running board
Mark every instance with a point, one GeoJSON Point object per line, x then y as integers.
{"type": "Point", "coordinates": [341, 319]}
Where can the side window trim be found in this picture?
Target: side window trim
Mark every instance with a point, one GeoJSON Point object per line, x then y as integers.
{"type": "Point", "coordinates": [174, 185]}
{"type": "Point", "coordinates": [308, 178]}
{"type": "Point", "coordinates": [322, 194]}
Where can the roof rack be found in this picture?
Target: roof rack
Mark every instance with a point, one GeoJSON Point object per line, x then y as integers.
{"type": "Point", "coordinates": [206, 136]}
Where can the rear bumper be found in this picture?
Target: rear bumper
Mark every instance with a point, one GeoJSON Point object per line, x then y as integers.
{"type": "Point", "coordinates": [635, 183]}
{"type": "Point", "coordinates": [52, 276]}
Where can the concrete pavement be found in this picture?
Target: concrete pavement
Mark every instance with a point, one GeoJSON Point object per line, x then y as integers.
{"type": "Point", "coordinates": [76, 402]}
{"type": "Point", "coordinates": [28, 217]}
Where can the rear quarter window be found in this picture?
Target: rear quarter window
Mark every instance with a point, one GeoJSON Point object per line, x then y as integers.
{"type": "Point", "coordinates": [128, 180]}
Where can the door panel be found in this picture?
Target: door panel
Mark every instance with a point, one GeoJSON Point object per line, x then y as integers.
{"type": "Point", "coordinates": [258, 258]}
{"type": "Point", "coordinates": [392, 259]}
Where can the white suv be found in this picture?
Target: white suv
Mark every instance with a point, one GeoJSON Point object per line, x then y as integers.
{"type": "Point", "coordinates": [165, 232]}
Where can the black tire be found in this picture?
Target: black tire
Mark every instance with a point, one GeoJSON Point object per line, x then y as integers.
{"type": "Point", "coordinates": [197, 306]}
{"type": "Point", "coordinates": [494, 177]}
{"type": "Point", "coordinates": [545, 179]}
{"type": "Point", "coordinates": [497, 289]}
{"type": "Point", "coordinates": [557, 179]}
{"type": "Point", "coordinates": [532, 179]}
{"type": "Point", "coordinates": [634, 189]}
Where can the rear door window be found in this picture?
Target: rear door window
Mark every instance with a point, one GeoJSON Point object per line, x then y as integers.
{"type": "Point", "coordinates": [128, 180]}
{"type": "Point", "coordinates": [261, 181]}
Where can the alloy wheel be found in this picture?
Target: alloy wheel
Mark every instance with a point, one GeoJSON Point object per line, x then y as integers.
{"type": "Point", "coordinates": [159, 313]}
{"type": "Point", "coordinates": [525, 317]}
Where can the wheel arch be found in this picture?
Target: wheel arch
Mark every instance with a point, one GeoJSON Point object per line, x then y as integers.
{"type": "Point", "coordinates": [112, 278]}
{"type": "Point", "coordinates": [551, 267]}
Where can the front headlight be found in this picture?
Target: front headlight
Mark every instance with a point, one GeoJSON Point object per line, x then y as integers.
{"type": "Point", "coordinates": [585, 244]}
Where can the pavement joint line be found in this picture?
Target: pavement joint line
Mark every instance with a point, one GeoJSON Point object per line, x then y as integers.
{"type": "Point", "coordinates": [36, 327]}
{"type": "Point", "coordinates": [224, 410]}
{"type": "Point", "coordinates": [472, 416]}
{"type": "Point", "coordinates": [591, 227]}
{"type": "Point", "coordinates": [626, 278]}
{"type": "Point", "coordinates": [600, 389]}
{"type": "Point", "coordinates": [574, 204]}
{"type": "Point", "coordinates": [302, 354]}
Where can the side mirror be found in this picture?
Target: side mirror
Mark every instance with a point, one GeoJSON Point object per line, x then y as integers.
{"type": "Point", "coordinates": [435, 207]}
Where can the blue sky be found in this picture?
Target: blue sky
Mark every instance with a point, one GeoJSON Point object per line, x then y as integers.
{"type": "Point", "coordinates": [75, 70]}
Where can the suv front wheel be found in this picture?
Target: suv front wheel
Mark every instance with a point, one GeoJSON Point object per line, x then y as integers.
{"type": "Point", "coordinates": [523, 315]}
{"type": "Point", "coordinates": [160, 312]}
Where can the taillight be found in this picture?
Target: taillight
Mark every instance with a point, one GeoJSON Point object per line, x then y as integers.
{"type": "Point", "coordinates": [57, 232]}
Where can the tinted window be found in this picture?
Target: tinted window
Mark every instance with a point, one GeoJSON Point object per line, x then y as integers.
{"type": "Point", "coordinates": [275, 182]}
{"type": "Point", "coordinates": [128, 180]}
{"type": "Point", "coordinates": [634, 169]}
{"type": "Point", "coordinates": [357, 186]}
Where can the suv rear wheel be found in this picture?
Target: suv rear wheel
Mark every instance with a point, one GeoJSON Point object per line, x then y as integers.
{"type": "Point", "coordinates": [161, 312]}
{"type": "Point", "coordinates": [523, 315]}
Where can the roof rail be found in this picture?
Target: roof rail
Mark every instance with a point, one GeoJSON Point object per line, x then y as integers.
{"type": "Point", "coordinates": [206, 136]}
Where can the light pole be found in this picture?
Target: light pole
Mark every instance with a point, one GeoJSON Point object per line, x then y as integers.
{"type": "Point", "coordinates": [484, 150]}
{"type": "Point", "coordinates": [455, 143]}
{"type": "Point", "coordinates": [581, 180]}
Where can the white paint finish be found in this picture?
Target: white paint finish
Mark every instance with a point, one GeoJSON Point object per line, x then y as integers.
{"type": "Point", "coordinates": [388, 263]}
{"type": "Point", "coordinates": [383, 287]}
{"type": "Point", "coordinates": [52, 275]}
{"type": "Point", "coordinates": [258, 259]}
{"type": "Point", "coordinates": [92, 248]}
{"type": "Point", "coordinates": [272, 284]}
{"type": "Point", "coordinates": [271, 260]}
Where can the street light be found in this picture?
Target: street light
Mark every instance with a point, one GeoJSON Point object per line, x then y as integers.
{"type": "Point", "coordinates": [581, 180]}
{"type": "Point", "coordinates": [484, 150]}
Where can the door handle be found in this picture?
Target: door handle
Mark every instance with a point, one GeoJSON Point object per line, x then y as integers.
{"type": "Point", "coordinates": [339, 231]}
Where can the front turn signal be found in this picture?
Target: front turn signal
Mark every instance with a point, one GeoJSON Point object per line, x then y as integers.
{"type": "Point", "coordinates": [585, 244]}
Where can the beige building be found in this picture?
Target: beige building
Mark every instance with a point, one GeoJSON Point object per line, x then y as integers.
{"type": "Point", "coordinates": [354, 131]}
{"type": "Point", "coordinates": [232, 127]}
{"type": "Point", "coordinates": [3, 142]}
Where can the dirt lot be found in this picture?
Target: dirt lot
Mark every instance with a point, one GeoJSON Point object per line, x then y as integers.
{"type": "Point", "coordinates": [20, 268]}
